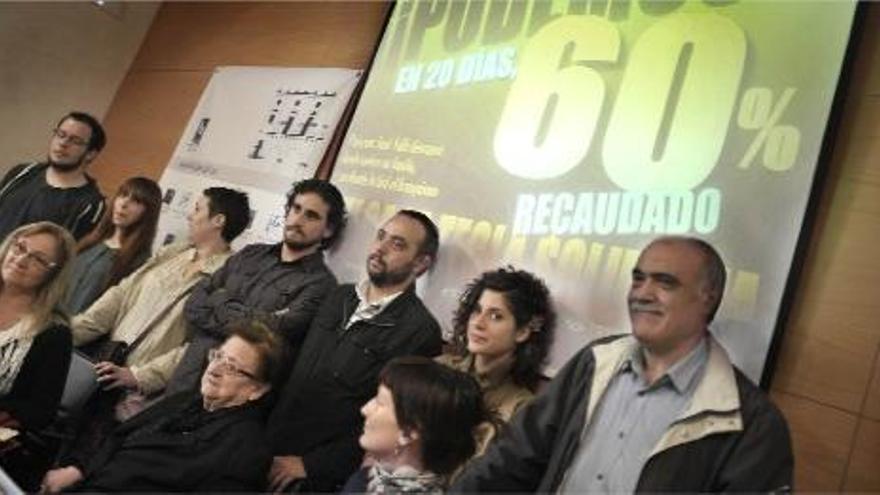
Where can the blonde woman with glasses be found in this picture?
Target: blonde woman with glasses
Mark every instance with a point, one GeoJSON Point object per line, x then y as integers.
{"type": "Point", "coordinates": [35, 340]}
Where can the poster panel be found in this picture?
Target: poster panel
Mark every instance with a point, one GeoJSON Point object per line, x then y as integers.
{"type": "Point", "coordinates": [255, 129]}
{"type": "Point", "coordinates": [561, 136]}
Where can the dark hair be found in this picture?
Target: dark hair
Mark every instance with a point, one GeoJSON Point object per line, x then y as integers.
{"type": "Point", "coordinates": [432, 236]}
{"type": "Point", "coordinates": [98, 138]}
{"type": "Point", "coordinates": [529, 300]}
{"type": "Point", "coordinates": [443, 405]}
{"type": "Point", "coordinates": [136, 238]}
{"type": "Point", "coordinates": [714, 271]}
{"type": "Point", "coordinates": [336, 216]}
{"type": "Point", "coordinates": [233, 205]}
{"type": "Point", "coordinates": [270, 347]}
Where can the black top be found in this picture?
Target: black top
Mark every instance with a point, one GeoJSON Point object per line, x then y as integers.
{"type": "Point", "coordinates": [253, 284]}
{"type": "Point", "coordinates": [176, 445]}
{"type": "Point", "coordinates": [357, 482]}
{"type": "Point", "coordinates": [26, 197]}
{"type": "Point", "coordinates": [36, 392]}
{"type": "Point", "coordinates": [318, 414]}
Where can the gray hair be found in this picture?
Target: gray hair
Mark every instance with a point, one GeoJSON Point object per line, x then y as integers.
{"type": "Point", "coordinates": [714, 270]}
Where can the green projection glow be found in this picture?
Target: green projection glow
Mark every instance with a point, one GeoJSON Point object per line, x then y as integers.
{"type": "Point", "coordinates": [560, 136]}
{"type": "Point", "coordinates": [705, 52]}
{"type": "Point", "coordinates": [552, 110]}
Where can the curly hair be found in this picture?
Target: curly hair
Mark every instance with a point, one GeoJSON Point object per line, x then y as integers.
{"type": "Point", "coordinates": [337, 215]}
{"type": "Point", "coordinates": [529, 301]}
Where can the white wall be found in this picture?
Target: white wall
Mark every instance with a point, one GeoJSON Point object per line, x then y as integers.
{"type": "Point", "coordinates": [61, 56]}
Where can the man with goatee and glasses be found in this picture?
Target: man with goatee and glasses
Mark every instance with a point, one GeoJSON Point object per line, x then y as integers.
{"type": "Point", "coordinates": [57, 190]}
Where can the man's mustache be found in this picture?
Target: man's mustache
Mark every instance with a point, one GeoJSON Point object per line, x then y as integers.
{"type": "Point", "coordinates": [377, 258]}
{"type": "Point", "coordinates": [642, 306]}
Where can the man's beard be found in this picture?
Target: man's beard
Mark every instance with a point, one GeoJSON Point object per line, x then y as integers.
{"type": "Point", "coordinates": [386, 278]}
{"type": "Point", "coordinates": [300, 245]}
{"type": "Point", "coordinates": [295, 245]}
{"type": "Point", "coordinates": [66, 167]}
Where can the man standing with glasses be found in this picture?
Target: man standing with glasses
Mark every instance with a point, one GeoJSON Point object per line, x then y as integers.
{"type": "Point", "coordinates": [58, 190]}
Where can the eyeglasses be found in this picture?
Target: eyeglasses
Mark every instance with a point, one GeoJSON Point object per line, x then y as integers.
{"type": "Point", "coordinates": [20, 249]}
{"type": "Point", "coordinates": [225, 365]}
{"type": "Point", "coordinates": [70, 138]}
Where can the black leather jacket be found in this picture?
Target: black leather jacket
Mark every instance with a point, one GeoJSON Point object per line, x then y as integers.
{"type": "Point", "coordinates": [254, 283]}
{"type": "Point", "coordinates": [318, 414]}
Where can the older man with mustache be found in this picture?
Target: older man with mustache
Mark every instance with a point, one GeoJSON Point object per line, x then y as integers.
{"type": "Point", "coordinates": [279, 284]}
{"type": "Point", "coordinates": [660, 410]}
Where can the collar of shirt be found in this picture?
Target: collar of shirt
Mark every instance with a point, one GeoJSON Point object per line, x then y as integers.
{"type": "Point", "coordinates": [208, 265]}
{"type": "Point", "coordinates": [367, 310]}
{"type": "Point", "coordinates": [495, 376]}
{"type": "Point", "coordinates": [682, 376]}
{"type": "Point", "coordinates": [306, 261]}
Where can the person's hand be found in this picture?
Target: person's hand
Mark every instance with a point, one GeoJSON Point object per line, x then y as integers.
{"type": "Point", "coordinates": [7, 421]}
{"type": "Point", "coordinates": [111, 376]}
{"type": "Point", "coordinates": [61, 478]}
{"type": "Point", "coordinates": [285, 470]}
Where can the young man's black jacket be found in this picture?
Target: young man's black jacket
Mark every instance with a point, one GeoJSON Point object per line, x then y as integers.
{"type": "Point", "coordinates": [318, 414]}
{"type": "Point", "coordinates": [26, 197]}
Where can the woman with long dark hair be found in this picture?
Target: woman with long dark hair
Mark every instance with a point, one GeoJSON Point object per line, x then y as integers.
{"type": "Point", "coordinates": [118, 245]}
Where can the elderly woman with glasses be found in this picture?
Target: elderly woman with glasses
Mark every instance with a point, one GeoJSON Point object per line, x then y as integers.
{"type": "Point", "coordinates": [35, 341]}
{"type": "Point", "coordinates": [211, 441]}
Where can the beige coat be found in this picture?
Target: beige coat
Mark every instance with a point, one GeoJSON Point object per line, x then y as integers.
{"type": "Point", "coordinates": [501, 395]}
{"type": "Point", "coordinates": [150, 299]}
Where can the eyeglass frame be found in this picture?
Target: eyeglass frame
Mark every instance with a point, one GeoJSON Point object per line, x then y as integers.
{"type": "Point", "coordinates": [19, 249]}
{"type": "Point", "coordinates": [69, 138]}
{"type": "Point", "coordinates": [221, 359]}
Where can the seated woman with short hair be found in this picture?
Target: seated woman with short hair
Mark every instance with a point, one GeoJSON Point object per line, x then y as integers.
{"type": "Point", "coordinates": [212, 441]}
{"type": "Point", "coordinates": [419, 428]}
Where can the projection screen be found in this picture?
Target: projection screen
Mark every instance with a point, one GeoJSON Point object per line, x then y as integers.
{"type": "Point", "coordinates": [562, 136]}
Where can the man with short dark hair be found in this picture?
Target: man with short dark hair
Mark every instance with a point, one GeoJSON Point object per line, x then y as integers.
{"type": "Point", "coordinates": [147, 306]}
{"type": "Point", "coordinates": [280, 284]}
{"type": "Point", "coordinates": [58, 190]}
{"type": "Point", "coordinates": [315, 427]}
{"type": "Point", "coordinates": [660, 410]}
{"type": "Point", "coordinates": [145, 311]}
